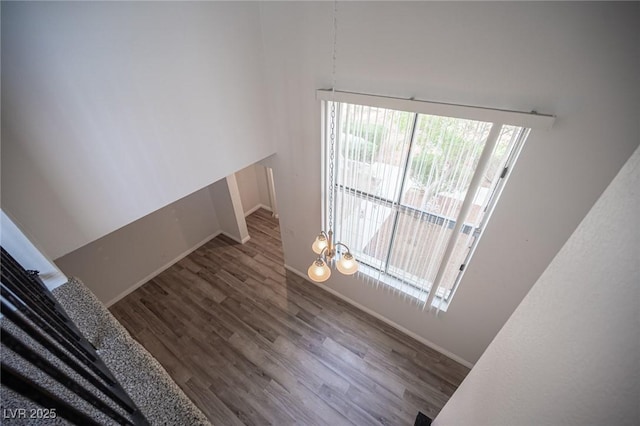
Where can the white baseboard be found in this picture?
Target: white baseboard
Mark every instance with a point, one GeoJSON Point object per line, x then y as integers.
{"type": "Point", "coordinates": [384, 319]}
{"type": "Point", "coordinates": [162, 269]}
{"type": "Point", "coordinates": [257, 207]}
{"type": "Point", "coordinates": [244, 240]}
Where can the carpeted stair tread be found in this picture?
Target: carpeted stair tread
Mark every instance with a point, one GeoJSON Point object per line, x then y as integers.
{"type": "Point", "coordinates": [157, 396]}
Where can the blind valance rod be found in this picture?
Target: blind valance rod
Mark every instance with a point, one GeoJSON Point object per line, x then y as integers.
{"type": "Point", "coordinates": [531, 120]}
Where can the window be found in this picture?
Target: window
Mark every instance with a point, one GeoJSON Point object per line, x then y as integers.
{"type": "Point", "coordinates": [415, 184]}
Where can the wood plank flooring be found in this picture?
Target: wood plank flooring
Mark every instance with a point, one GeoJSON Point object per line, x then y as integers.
{"type": "Point", "coordinates": [252, 343]}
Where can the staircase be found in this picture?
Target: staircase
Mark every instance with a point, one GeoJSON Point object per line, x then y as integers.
{"type": "Point", "coordinates": [155, 394]}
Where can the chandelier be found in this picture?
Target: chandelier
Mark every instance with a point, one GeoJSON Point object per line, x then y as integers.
{"type": "Point", "coordinates": [324, 245]}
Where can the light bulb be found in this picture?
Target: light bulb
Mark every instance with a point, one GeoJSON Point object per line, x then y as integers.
{"type": "Point", "coordinates": [319, 271]}
{"type": "Point", "coordinates": [319, 244]}
{"type": "Point", "coordinates": [347, 264]}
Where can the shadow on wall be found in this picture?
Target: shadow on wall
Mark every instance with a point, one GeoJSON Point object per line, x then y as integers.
{"type": "Point", "coordinates": [257, 189]}
{"type": "Point", "coordinates": [118, 263]}
{"type": "Point", "coordinates": [18, 202]}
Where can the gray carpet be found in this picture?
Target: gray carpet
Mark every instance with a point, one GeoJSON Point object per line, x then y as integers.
{"type": "Point", "coordinates": [157, 396]}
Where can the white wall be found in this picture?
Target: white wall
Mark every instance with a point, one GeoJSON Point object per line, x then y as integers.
{"type": "Point", "coordinates": [579, 61]}
{"type": "Point", "coordinates": [118, 263]}
{"type": "Point", "coordinates": [263, 187]}
{"type": "Point", "coordinates": [569, 353]}
{"type": "Point", "coordinates": [226, 196]}
{"type": "Point", "coordinates": [253, 187]}
{"type": "Point", "coordinates": [112, 110]}
{"type": "Point", "coordinates": [27, 254]}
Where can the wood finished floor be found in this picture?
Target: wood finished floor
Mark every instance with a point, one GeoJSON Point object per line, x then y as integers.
{"type": "Point", "coordinates": [252, 343]}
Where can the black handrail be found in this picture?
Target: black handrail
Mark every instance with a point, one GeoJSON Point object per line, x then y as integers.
{"type": "Point", "coordinates": [29, 305]}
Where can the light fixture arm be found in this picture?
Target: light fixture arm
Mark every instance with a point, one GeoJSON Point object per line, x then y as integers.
{"type": "Point", "coordinates": [343, 245]}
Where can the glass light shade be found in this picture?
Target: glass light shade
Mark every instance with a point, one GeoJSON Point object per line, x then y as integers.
{"type": "Point", "coordinates": [319, 271]}
{"type": "Point", "coordinates": [347, 264]}
{"type": "Point", "coordinates": [319, 244]}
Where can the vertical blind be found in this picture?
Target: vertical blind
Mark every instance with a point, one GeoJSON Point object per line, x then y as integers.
{"type": "Point", "coordinates": [414, 191]}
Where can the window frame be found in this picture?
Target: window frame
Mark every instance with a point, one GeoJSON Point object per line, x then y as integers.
{"type": "Point", "coordinates": [498, 117]}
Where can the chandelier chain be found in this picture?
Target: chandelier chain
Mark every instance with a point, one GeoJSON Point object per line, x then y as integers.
{"type": "Point", "coordinates": [325, 244]}
{"type": "Point", "coordinates": [335, 44]}
{"type": "Point", "coordinates": [333, 114]}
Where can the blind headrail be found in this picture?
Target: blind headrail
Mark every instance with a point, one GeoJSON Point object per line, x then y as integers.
{"type": "Point", "coordinates": [531, 120]}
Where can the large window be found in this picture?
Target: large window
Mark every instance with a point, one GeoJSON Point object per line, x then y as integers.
{"type": "Point", "coordinates": [414, 190]}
